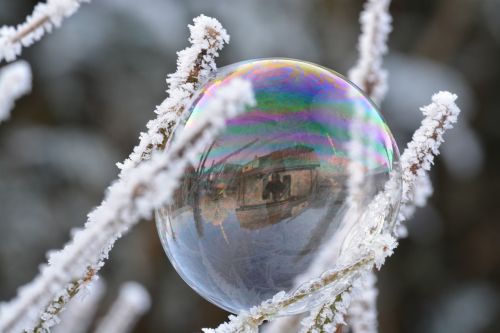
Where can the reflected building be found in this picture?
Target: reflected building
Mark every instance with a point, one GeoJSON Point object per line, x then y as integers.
{"type": "Point", "coordinates": [265, 191]}
{"type": "Point", "coordinates": [276, 186]}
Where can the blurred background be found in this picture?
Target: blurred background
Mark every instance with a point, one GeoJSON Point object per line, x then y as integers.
{"type": "Point", "coordinates": [97, 81]}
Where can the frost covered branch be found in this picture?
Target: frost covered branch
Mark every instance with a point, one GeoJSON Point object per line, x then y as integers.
{"type": "Point", "coordinates": [194, 66]}
{"type": "Point", "coordinates": [134, 197]}
{"type": "Point", "coordinates": [15, 81]}
{"type": "Point", "coordinates": [371, 77]}
{"type": "Point", "coordinates": [415, 161]}
{"type": "Point", "coordinates": [328, 317]}
{"type": "Point", "coordinates": [132, 302]}
{"type": "Point", "coordinates": [360, 315]}
{"type": "Point", "coordinates": [248, 322]}
{"type": "Point", "coordinates": [368, 73]}
{"type": "Point", "coordinates": [418, 156]}
{"type": "Point", "coordinates": [44, 18]}
{"type": "Point", "coordinates": [366, 237]}
{"type": "Point", "coordinates": [80, 312]}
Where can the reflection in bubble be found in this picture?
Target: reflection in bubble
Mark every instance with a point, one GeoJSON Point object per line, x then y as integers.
{"type": "Point", "coordinates": [271, 189]}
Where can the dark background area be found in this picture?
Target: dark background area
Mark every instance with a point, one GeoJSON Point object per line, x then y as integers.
{"type": "Point", "coordinates": [97, 81]}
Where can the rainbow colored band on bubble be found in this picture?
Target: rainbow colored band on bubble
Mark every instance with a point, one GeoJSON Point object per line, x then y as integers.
{"type": "Point", "coordinates": [298, 102]}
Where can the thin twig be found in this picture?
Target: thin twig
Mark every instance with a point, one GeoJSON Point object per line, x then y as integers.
{"type": "Point", "coordinates": [249, 321]}
{"type": "Point", "coordinates": [370, 76]}
{"type": "Point", "coordinates": [368, 73]}
{"type": "Point", "coordinates": [418, 156]}
{"type": "Point", "coordinates": [44, 18]}
{"type": "Point", "coordinates": [80, 312]}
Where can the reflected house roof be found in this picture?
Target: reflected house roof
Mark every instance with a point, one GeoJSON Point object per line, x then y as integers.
{"type": "Point", "coordinates": [296, 157]}
{"type": "Point", "coordinates": [223, 173]}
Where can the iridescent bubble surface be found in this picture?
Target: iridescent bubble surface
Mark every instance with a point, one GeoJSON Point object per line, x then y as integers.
{"type": "Point", "coordinates": [252, 215]}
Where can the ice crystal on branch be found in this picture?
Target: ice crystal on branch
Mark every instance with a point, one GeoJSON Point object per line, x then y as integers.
{"type": "Point", "coordinates": [370, 76]}
{"type": "Point", "coordinates": [368, 73]}
{"type": "Point", "coordinates": [194, 66]}
{"type": "Point", "coordinates": [328, 316]}
{"type": "Point", "coordinates": [361, 315]}
{"type": "Point", "coordinates": [418, 157]}
{"type": "Point", "coordinates": [337, 280]}
{"type": "Point", "coordinates": [135, 196]}
{"type": "Point", "coordinates": [15, 81]}
{"type": "Point", "coordinates": [43, 19]}
{"type": "Point", "coordinates": [78, 316]}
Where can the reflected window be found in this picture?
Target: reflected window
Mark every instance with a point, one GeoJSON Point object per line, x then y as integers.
{"type": "Point", "coordinates": [276, 188]}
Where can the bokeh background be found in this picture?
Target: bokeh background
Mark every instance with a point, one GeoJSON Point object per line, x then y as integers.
{"type": "Point", "coordinates": [98, 79]}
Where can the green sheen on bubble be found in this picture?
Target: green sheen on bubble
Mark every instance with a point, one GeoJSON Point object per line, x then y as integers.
{"type": "Point", "coordinates": [254, 212]}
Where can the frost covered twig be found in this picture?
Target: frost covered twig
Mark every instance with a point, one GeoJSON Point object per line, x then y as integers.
{"type": "Point", "coordinates": [368, 73]}
{"type": "Point", "coordinates": [15, 81]}
{"type": "Point", "coordinates": [415, 162]}
{"type": "Point", "coordinates": [371, 77]}
{"type": "Point", "coordinates": [194, 66]}
{"type": "Point", "coordinates": [328, 317]}
{"type": "Point", "coordinates": [132, 302]}
{"type": "Point", "coordinates": [44, 18]}
{"type": "Point", "coordinates": [418, 156]}
{"type": "Point", "coordinates": [365, 238]}
{"type": "Point", "coordinates": [360, 315]}
{"type": "Point", "coordinates": [146, 187]}
{"type": "Point", "coordinates": [80, 311]}
{"type": "Point", "coordinates": [248, 322]}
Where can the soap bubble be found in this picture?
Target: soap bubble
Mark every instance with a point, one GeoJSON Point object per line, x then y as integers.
{"type": "Point", "coordinates": [251, 216]}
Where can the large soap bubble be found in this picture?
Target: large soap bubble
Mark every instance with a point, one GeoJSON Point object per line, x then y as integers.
{"type": "Point", "coordinates": [264, 197]}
